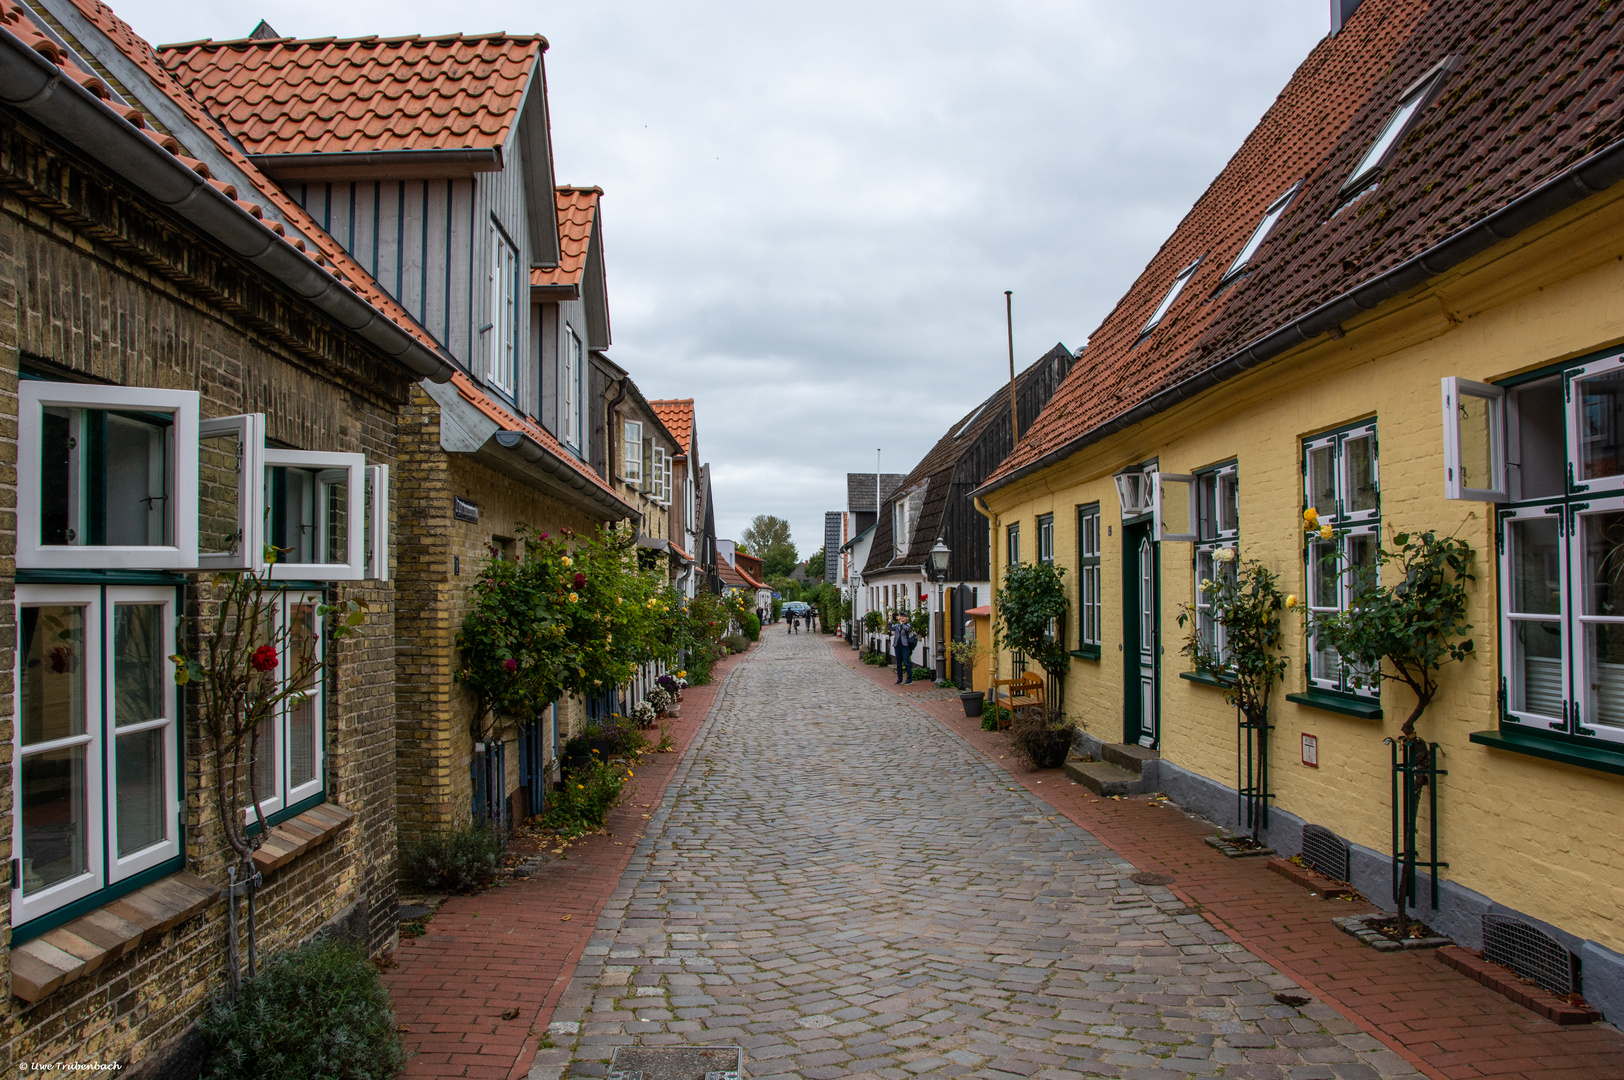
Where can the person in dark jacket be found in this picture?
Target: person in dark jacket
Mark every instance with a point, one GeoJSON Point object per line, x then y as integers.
{"type": "Point", "coordinates": [903, 641]}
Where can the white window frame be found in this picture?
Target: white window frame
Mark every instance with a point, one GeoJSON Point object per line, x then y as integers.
{"type": "Point", "coordinates": [571, 397]}
{"type": "Point", "coordinates": [1261, 233]}
{"type": "Point", "coordinates": [249, 428]}
{"type": "Point", "coordinates": [1173, 292]}
{"type": "Point", "coordinates": [1212, 534]}
{"type": "Point", "coordinates": [34, 396]}
{"type": "Point", "coordinates": [353, 568]}
{"type": "Point", "coordinates": [1510, 619]}
{"type": "Point", "coordinates": [504, 315]}
{"type": "Point", "coordinates": [286, 793]}
{"type": "Point", "coordinates": [1456, 393]}
{"type": "Point", "coordinates": [377, 523]}
{"type": "Point", "coordinates": [1576, 434]}
{"type": "Point", "coordinates": [1045, 538]}
{"type": "Point", "coordinates": [1089, 559]}
{"type": "Point", "coordinates": [1346, 524]}
{"type": "Point", "coordinates": [1012, 544]}
{"type": "Point", "coordinates": [1165, 496]}
{"type": "Point", "coordinates": [104, 865]}
{"type": "Point", "coordinates": [1583, 721]}
{"type": "Point", "coordinates": [631, 451]}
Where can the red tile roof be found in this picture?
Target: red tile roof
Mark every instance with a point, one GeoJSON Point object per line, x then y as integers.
{"type": "Point", "coordinates": [328, 253]}
{"type": "Point", "coordinates": [335, 95]}
{"type": "Point", "coordinates": [736, 576]}
{"type": "Point", "coordinates": [677, 414]}
{"type": "Point", "coordinates": [577, 209]}
{"type": "Point", "coordinates": [1536, 92]}
{"type": "Point", "coordinates": [484, 403]}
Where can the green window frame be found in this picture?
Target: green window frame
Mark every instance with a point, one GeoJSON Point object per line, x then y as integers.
{"type": "Point", "coordinates": [1090, 626]}
{"type": "Point", "coordinates": [1342, 485]}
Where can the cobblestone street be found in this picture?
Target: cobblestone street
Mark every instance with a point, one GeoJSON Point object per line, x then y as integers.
{"type": "Point", "coordinates": [845, 888]}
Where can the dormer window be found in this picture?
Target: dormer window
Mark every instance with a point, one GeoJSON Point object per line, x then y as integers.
{"type": "Point", "coordinates": [1398, 125]}
{"type": "Point", "coordinates": [1261, 233]}
{"type": "Point", "coordinates": [1172, 294]}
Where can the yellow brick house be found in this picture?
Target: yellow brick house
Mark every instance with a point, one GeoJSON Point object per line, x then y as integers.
{"type": "Point", "coordinates": [1398, 303]}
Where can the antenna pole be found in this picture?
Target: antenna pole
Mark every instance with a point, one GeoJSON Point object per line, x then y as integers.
{"type": "Point", "coordinates": [1009, 325]}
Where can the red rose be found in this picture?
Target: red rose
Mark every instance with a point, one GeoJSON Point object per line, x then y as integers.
{"type": "Point", "coordinates": [264, 658]}
{"type": "Point", "coordinates": [580, 580]}
{"type": "Point", "coordinates": [510, 665]}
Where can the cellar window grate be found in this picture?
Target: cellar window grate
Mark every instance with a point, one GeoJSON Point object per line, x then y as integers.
{"type": "Point", "coordinates": [1326, 852]}
{"type": "Point", "coordinates": [1531, 953]}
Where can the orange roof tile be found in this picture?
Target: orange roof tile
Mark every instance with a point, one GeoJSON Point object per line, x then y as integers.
{"type": "Point", "coordinates": [577, 208]}
{"type": "Point", "coordinates": [328, 254]}
{"type": "Point", "coordinates": [677, 414]}
{"type": "Point", "coordinates": [346, 95]}
{"type": "Point", "coordinates": [480, 400]}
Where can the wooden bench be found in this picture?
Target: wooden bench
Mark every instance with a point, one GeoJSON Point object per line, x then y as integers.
{"type": "Point", "coordinates": [1022, 692]}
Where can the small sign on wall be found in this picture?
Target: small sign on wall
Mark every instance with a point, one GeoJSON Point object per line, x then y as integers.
{"type": "Point", "coordinates": [464, 509]}
{"type": "Point", "coordinates": [1311, 750]}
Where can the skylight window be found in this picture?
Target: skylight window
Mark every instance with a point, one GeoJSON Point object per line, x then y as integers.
{"type": "Point", "coordinates": [1398, 125]}
{"type": "Point", "coordinates": [1172, 294]}
{"type": "Point", "coordinates": [973, 418]}
{"type": "Point", "coordinates": [1261, 233]}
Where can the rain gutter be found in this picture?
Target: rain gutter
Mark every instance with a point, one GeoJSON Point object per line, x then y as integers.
{"type": "Point", "coordinates": [1589, 177]}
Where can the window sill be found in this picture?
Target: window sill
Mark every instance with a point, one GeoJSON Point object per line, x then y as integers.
{"type": "Point", "coordinates": [1087, 652]}
{"type": "Point", "coordinates": [1203, 678]}
{"type": "Point", "coordinates": [297, 835]}
{"type": "Point", "coordinates": [1347, 706]}
{"type": "Point", "coordinates": [1602, 759]}
{"type": "Point", "coordinates": [75, 949]}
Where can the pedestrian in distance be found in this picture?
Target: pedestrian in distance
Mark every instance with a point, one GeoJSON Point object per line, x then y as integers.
{"type": "Point", "coordinates": [903, 641]}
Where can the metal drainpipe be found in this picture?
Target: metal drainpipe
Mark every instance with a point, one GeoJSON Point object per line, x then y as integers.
{"type": "Point", "coordinates": [609, 428]}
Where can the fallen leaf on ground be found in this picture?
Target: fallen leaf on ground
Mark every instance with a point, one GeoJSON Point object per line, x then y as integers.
{"type": "Point", "coordinates": [509, 1014]}
{"type": "Point", "coordinates": [563, 918]}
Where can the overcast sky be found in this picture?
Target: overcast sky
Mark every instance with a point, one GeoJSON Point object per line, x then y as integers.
{"type": "Point", "coordinates": [812, 210]}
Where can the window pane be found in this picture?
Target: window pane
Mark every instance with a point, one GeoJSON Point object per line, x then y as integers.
{"type": "Point", "coordinates": [292, 513]}
{"type": "Point", "coordinates": [1322, 480]}
{"type": "Point", "coordinates": [219, 493]}
{"type": "Point", "coordinates": [1536, 565]}
{"type": "Point", "coordinates": [139, 765]}
{"type": "Point", "coordinates": [1603, 584]}
{"type": "Point", "coordinates": [1542, 447]}
{"type": "Point", "coordinates": [302, 740]}
{"type": "Point", "coordinates": [136, 470]}
{"type": "Point", "coordinates": [263, 747]}
{"type": "Point", "coordinates": [1229, 514]}
{"type": "Point", "coordinates": [1323, 662]}
{"type": "Point", "coordinates": [1604, 671]}
{"type": "Point", "coordinates": [302, 641]}
{"type": "Point", "coordinates": [1359, 453]}
{"type": "Point", "coordinates": [1536, 668]}
{"type": "Point", "coordinates": [55, 817]}
{"type": "Point", "coordinates": [59, 518]}
{"type": "Point", "coordinates": [1601, 403]}
{"type": "Point", "coordinates": [335, 493]}
{"type": "Point", "coordinates": [138, 663]}
{"type": "Point", "coordinates": [103, 478]}
{"type": "Point", "coordinates": [1361, 563]}
{"type": "Point", "coordinates": [1323, 576]}
{"type": "Point", "coordinates": [52, 695]}
{"type": "Point", "coordinates": [1474, 418]}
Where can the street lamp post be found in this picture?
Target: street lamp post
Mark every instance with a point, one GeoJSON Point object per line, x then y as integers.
{"type": "Point", "coordinates": [938, 572]}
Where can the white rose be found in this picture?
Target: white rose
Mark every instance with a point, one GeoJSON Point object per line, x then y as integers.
{"type": "Point", "coordinates": [1224, 555]}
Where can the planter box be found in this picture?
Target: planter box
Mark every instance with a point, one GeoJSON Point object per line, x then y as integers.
{"type": "Point", "coordinates": [1357, 926]}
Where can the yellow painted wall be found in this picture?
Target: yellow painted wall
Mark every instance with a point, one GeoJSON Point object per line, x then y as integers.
{"type": "Point", "coordinates": [1540, 837]}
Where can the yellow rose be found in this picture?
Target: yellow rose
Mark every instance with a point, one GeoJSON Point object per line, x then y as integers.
{"type": "Point", "coordinates": [567, 561]}
{"type": "Point", "coordinates": [1325, 532]}
{"type": "Point", "coordinates": [574, 599]}
{"type": "Point", "coordinates": [1291, 601]}
{"type": "Point", "coordinates": [1311, 516]}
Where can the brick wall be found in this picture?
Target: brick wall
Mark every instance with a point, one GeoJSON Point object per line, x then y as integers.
{"type": "Point", "coordinates": [95, 285]}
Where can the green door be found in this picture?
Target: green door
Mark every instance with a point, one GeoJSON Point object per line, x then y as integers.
{"type": "Point", "coordinates": [1141, 639]}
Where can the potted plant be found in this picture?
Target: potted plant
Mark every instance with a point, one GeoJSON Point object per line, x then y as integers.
{"type": "Point", "coordinates": [1042, 741]}
{"type": "Point", "coordinates": [968, 653]}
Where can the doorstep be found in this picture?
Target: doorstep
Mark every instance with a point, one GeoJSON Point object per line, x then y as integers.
{"type": "Point", "coordinates": [75, 949]}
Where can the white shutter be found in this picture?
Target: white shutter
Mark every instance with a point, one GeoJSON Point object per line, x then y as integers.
{"type": "Point", "coordinates": [1474, 441]}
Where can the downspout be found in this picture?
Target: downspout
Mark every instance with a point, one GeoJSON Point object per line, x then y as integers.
{"type": "Point", "coordinates": [609, 429]}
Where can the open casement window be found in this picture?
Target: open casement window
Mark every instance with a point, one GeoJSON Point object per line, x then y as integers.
{"type": "Point", "coordinates": [1474, 441]}
{"type": "Point", "coordinates": [106, 477]}
{"type": "Point", "coordinates": [1173, 502]}
{"type": "Point", "coordinates": [95, 761]}
{"type": "Point", "coordinates": [1534, 615]}
{"type": "Point", "coordinates": [649, 478]}
{"type": "Point", "coordinates": [315, 512]}
{"type": "Point", "coordinates": [1595, 403]}
{"type": "Point", "coordinates": [631, 457]}
{"type": "Point", "coordinates": [377, 522]}
{"type": "Point", "coordinates": [230, 505]}
{"type": "Point", "coordinates": [288, 756]}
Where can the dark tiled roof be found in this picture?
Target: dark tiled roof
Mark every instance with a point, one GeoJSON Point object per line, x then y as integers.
{"type": "Point", "coordinates": [860, 489]}
{"type": "Point", "coordinates": [1535, 92]}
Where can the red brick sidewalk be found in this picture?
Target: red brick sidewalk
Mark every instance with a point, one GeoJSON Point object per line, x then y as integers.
{"type": "Point", "coordinates": [1444, 1023]}
{"type": "Point", "coordinates": [513, 949]}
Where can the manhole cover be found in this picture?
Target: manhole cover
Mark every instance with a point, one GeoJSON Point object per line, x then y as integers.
{"type": "Point", "coordinates": [413, 911]}
{"type": "Point", "coordinates": [677, 1063]}
{"type": "Point", "coordinates": [1147, 878]}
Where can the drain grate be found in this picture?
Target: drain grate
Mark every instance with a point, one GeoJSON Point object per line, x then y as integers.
{"type": "Point", "coordinates": [1147, 878]}
{"type": "Point", "coordinates": [677, 1063]}
{"type": "Point", "coordinates": [1531, 953]}
{"type": "Point", "coordinates": [1325, 851]}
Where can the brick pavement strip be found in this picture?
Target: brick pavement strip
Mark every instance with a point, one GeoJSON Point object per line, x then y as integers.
{"type": "Point", "coordinates": [844, 888]}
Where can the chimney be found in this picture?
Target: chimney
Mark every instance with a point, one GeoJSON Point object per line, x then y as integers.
{"type": "Point", "coordinates": [1341, 12]}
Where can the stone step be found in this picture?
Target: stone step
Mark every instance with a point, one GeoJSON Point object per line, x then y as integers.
{"type": "Point", "coordinates": [1130, 756]}
{"type": "Point", "coordinates": [1104, 778]}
